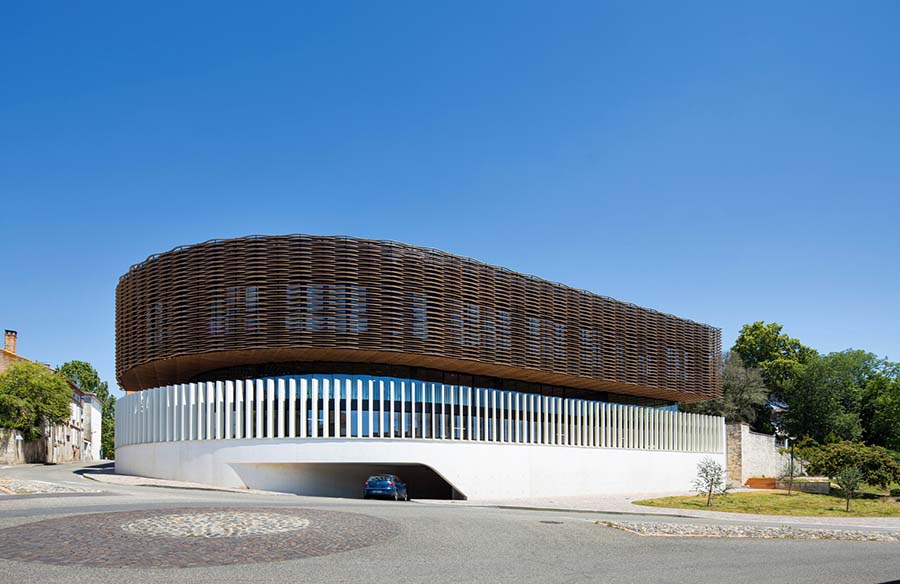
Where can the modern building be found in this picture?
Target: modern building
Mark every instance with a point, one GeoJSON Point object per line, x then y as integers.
{"type": "Point", "coordinates": [303, 363]}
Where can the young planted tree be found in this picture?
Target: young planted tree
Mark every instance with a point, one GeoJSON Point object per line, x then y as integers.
{"type": "Point", "coordinates": [848, 480]}
{"type": "Point", "coordinates": [790, 471]}
{"type": "Point", "coordinates": [710, 480]}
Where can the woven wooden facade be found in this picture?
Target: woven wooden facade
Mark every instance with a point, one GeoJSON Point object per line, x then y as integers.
{"type": "Point", "coordinates": [272, 299]}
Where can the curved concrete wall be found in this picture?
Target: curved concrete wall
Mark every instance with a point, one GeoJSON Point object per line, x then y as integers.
{"type": "Point", "coordinates": [476, 470]}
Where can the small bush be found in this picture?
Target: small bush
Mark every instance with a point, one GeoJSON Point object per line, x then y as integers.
{"type": "Point", "coordinates": [877, 466]}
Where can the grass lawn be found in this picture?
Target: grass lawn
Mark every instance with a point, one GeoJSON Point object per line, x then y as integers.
{"type": "Point", "coordinates": [873, 490]}
{"type": "Point", "coordinates": [779, 503]}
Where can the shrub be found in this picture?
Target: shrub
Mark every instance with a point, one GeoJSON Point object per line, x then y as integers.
{"type": "Point", "coordinates": [876, 465]}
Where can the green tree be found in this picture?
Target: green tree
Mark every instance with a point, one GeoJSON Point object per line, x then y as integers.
{"type": "Point", "coordinates": [31, 397]}
{"type": "Point", "coordinates": [885, 424]}
{"type": "Point", "coordinates": [83, 376]}
{"type": "Point", "coordinates": [816, 398]}
{"type": "Point", "coordinates": [743, 393]}
{"type": "Point", "coordinates": [764, 346]}
{"type": "Point", "coordinates": [850, 373]}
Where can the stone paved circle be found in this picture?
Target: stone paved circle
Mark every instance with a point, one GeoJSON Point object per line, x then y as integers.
{"type": "Point", "coordinates": [192, 537]}
{"type": "Point", "coordinates": [218, 524]}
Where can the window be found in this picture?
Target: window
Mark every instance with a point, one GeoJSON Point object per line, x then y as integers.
{"type": "Point", "coordinates": [339, 308]}
{"type": "Point", "coordinates": [217, 317]}
{"type": "Point", "coordinates": [488, 330]}
{"type": "Point", "coordinates": [503, 325]}
{"type": "Point", "coordinates": [419, 315]}
{"type": "Point", "coordinates": [296, 313]}
{"type": "Point", "coordinates": [155, 322]}
{"type": "Point", "coordinates": [456, 322]}
{"type": "Point", "coordinates": [349, 303]}
{"type": "Point", "coordinates": [534, 337]}
{"type": "Point", "coordinates": [317, 306]}
{"type": "Point", "coordinates": [557, 342]}
{"type": "Point", "coordinates": [471, 329]}
{"type": "Point", "coordinates": [251, 321]}
{"type": "Point", "coordinates": [233, 301]}
{"type": "Point", "coordinates": [673, 365]}
{"type": "Point", "coordinates": [591, 349]}
{"type": "Point", "coordinates": [236, 311]}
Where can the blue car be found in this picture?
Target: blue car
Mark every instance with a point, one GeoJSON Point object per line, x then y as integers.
{"type": "Point", "coordinates": [386, 485]}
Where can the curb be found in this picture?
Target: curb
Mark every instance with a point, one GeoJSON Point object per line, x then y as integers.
{"type": "Point", "coordinates": [584, 511]}
{"type": "Point", "coordinates": [183, 487]}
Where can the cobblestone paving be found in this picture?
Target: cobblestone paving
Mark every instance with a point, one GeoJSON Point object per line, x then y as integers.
{"type": "Point", "coordinates": [165, 539]}
{"type": "Point", "coordinates": [23, 487]}
{"type": "Point", "coordinates": [781, 532]}
{"type": "Point", "coordinates": [221, 524]}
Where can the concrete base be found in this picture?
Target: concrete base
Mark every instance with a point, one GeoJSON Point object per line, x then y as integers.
{"type": "Point", "coordinates": [475, 470]}
{"type": "Point", "coordinates": [822, 487]}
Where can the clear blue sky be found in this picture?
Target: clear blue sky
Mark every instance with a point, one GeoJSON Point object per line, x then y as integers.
{"type": "Point", "coordinates": [725, 164]}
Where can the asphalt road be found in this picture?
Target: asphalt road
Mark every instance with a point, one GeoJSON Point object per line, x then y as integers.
{"type": "Point", "coordinates": [444, 543]}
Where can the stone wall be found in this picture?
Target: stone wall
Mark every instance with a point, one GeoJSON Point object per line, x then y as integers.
{"type": "Point", "coordinates": [751, 454]}
{"type": "Point", "coordinates": [14, 451]}
{"type": "Point", "coordinates": [62, 444]}
{"type": "Point", "coordinates": [11, 451]}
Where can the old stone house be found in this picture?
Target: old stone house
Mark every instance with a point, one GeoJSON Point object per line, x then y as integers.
{"type": "Point", "coordinates": [77, 439]}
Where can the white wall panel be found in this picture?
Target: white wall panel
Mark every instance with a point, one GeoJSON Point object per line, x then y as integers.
{"type": "Point", "coordinates": [479, 470]}
{"type": "Point", "coordinates": [314, 408]}
{"type": "Point", "coordinates": [239, 409]}
{"type": "Point", "coordinates": [292, 408]}
{"type": "Point", "coordinates": [326, 406]}
{"type": "Point", "coordinates": [229, 406]}
{"type": "Point", "coordinates": [267, 409]}
{"type": "Point", "coordinates": [280, 409]}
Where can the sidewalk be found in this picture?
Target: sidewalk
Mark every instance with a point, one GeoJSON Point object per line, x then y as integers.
{"type": "Point", "coordinates": [623, 504]}
{"type": "Point", "coordinates": [12, 486]}
{"type": "Point", "coordinates": [135, 481]}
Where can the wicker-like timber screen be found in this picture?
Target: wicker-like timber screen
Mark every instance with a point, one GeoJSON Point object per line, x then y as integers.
{"type": "Point", "coordinates": [270, 299]}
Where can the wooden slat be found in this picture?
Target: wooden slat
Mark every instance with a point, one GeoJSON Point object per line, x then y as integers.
{"type": "Point", "coordinates": [270, 299]}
